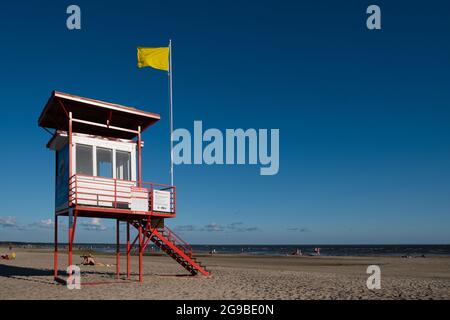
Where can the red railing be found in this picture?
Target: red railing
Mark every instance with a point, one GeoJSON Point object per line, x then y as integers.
{"type": "Point", "coordinates": [122, 194]}
{"type": "Point", "coordinates": [169, 242]}
{"type": "Point", "coordinates": [173, 237]}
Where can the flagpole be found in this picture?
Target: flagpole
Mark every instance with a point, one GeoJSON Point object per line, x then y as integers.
{"type": "Point", "coordinates": [170, 111]}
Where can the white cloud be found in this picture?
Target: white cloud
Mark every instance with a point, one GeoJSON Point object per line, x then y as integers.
{"type": "Point", "coordinates": [239, 227]}
{"type": "Point", "coordinates": [298, 229]}
{"type": "Point", "coordinates": [214, 227]}
{"type": "Point", "coordinates": [93, 224]}
{"type": "Point", "coordinates": [44, 223]}
{"type": "Point", "coordinates": [9, 222]}
{"type": "Point", "coordinates": [185, 228]}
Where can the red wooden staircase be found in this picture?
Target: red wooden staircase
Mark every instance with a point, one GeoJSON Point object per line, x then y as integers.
{"type": "Point", "coordinates": [169, 242]}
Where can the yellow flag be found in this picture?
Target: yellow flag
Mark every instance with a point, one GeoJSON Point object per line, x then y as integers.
{"type": "Point", "coordinates": [157, 58]}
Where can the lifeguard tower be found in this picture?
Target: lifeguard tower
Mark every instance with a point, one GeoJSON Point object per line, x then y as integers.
{"type": "Point", "coordinates": [99, 175]}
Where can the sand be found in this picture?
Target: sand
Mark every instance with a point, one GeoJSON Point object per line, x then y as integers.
{"type": "Point", "coordinates": [30, 276]}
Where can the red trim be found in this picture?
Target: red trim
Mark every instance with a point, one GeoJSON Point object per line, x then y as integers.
{"type": "Point", "coordinates": [139, 158]}
{"type": "Point", "coordinates": [104, 126]}
{"type": "Point", "coordinates": [70, 239]}
{"type": "Point", "coordinates": [128, 250]}
{"type": "Point", "coordinates": [104, 104]}
{"type": "Point", "coordinates": [118, 249]}
{"type": "Point", "coordinates": [74, 224]}
{"type": "Point", "coordinates": [140, 254]}
{"type": "Point", "coordinates": [110, 213]}
{"type": "Point", "coordinates": [135, 239]}
{"type": "Point", "coordinates": [64, 108]}
{"type": "Point", "coordinates": [55, 253]}
{"type": "Point", "coordinates": [70, 153]}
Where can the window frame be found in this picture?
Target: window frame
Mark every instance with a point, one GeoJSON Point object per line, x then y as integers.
{"type": "Point", "coordinates": [128, 146]}
{"type": "Point", "coordinates": [83, 145]}
{"type": "Point", "coordinates": [111, 153]}
{"type": "Point", "coordinates": [129, 171]}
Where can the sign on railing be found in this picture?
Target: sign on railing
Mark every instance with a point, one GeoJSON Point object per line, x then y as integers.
{"type": "Point", "coordinates": [162, 201]}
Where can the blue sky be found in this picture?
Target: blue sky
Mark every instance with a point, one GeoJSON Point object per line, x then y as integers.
{"type": "Point", "coordinates": [363, 115]}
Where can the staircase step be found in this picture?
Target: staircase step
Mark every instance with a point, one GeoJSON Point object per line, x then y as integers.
{"type": "Point", "coordinates": [169, 244]}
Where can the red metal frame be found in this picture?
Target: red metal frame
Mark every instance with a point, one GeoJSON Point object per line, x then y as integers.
{"type": "Point", "coordinates": [139, 157]}
{"type": "Point", "coordinates": [140, 253]}
{"type": "Point", "coordinates": [55, 253]}
{"type": "Point", "coordinates": [104, 126]}
{"type": "Point", "coordinates": [177, 246]}
{"type": "Point", "coordinates": [172, 236]}
{"type": "Point", "coordinates": [106, 190]}
{"type": "Point", "coordinates": [139, 219]}
{"type": "Point", "coordinates": [70, 147]}
{"type": "Point", "coordinates": [128, 250]}
{"type": "Point", "coordinates": [118, 248]}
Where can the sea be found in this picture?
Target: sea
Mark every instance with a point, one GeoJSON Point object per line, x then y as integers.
{"type": "Point", "coordinates": [272, 250]}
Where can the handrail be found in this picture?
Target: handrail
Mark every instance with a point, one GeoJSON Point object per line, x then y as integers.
{"type": "Point", "coordinates": [113, 192]}
{"type": "Point", "coordinates": [172, 248]}
{"type": "Point", "coordinates": [117, 179]}
{"type": "Point", "coordinates": [184, 244]}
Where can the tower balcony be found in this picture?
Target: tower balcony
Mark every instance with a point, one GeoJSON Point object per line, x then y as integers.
{"type": "Point", "coordinates": [115, 198]}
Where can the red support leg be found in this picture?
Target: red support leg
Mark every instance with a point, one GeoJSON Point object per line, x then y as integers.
{"type": "Point", "coordinates": [117, 249]}
{"type": "Point", "coordinates": [128, 250]}
{"type": "Point", "coordinates": [139, 158]}
{"type": "Point", "coordinates": [72, 227]}
{"type": "Point", "coordinates": [70, 154]}
{"type": "Point", "coordinates": [70, 235]}
{"type": "Point", "coordinates": [69, 240]}
{"type": "Point", "coordinates": [55, 253]}
{"type": "Point", "coordinates": [140, 254]}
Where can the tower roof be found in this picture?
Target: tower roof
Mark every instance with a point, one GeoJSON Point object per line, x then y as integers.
{"type": "Point", "coordinates": [94, 116]}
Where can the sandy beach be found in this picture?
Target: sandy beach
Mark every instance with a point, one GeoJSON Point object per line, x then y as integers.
{"type": "Point", "coordinates": [30, 276]}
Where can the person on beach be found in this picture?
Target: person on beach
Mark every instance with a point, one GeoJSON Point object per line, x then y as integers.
{"type": "Point", "coordinates": [11, 256]}
{"type": "Point", "coordinates": [88, 260]}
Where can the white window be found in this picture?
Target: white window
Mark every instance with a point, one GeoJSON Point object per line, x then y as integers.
{"type": "Point", "coordinates": [104, 163]}
{"type": "Point", "coordinates": [123, 165]}
{"type": "Point", "coordinates": [84, 160]}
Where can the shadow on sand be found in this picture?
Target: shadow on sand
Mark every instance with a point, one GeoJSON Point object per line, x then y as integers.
{"type": "Point", "coordinates": [16, 271]}
{"type": "Point", "coordinates": [26, 273]}
{"type": "Point", "coordinates": [34, 274]}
